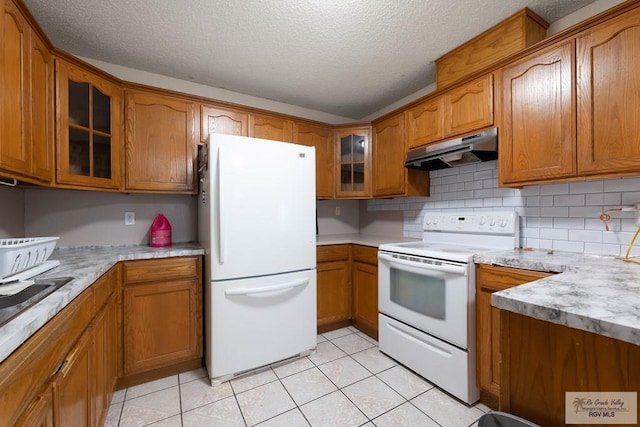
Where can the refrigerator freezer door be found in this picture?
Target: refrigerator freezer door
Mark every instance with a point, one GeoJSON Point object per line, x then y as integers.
{"type": "Point", "coordinates": [259, 321]}
{"type": "Point", "coordinates": [262, 207]}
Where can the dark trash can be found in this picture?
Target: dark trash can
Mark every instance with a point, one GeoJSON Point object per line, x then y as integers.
{"type": "Point", "coordinates": [502, 419]}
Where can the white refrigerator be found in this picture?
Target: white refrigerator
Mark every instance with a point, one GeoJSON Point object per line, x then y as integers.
{"type": "Point", "coordinates": [257, 224]}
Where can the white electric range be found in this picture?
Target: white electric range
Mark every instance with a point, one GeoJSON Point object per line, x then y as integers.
{"type": "Point", "coordinates": [426, 295]}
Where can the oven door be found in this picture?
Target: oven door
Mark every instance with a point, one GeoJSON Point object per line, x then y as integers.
{"type": "Point", "coordinates": [434, 298]}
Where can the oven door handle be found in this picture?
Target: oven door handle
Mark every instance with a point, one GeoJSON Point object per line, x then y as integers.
{"type": "Point", "coordinates": [444, 267]}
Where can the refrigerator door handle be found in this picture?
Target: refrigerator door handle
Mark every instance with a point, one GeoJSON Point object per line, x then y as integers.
{"type": "Point", "coordinates": [221, 216]}
{"type": "Point", "coordinates": [280, 287]}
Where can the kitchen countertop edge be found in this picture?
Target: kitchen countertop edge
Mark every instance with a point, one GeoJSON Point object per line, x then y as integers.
{"type": "Point", "coordinates": [359, 239]}
{"type": "Point", "coordinates": [85, 265]}
{"type": "Point", "coordinates": [598, 294]}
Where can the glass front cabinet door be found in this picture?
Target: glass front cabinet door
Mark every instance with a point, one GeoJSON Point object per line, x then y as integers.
{"type": "Point", "coordinates": [353, 151]}
{"type": "Point", "coordinates": [89, 110]}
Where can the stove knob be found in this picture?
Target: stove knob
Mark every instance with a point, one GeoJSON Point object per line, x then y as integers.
{"type": "Point", "coordinates": [482, 220]}
{"type": "Point", "coordinates": [492, 222]}
{"type": "Point", "coordinates": [435, 221]}
{"type": "Point", "coordinates": [427, 221]}
{"type": "Point", "coordinates": [503, 223]}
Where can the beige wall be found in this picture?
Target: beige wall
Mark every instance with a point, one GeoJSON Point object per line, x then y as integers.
{"type": "Point", "coordinates": [11, 212]}
{"type": "Point", "coordinates": [581, 14]}
{"type": "Point", "coordinates": [85, 218]}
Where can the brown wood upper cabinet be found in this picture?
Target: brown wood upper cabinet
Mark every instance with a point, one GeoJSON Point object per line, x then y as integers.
{"type": "Point", "coordinates": [160, 143]}
{"type": "Point", "coordinates": [469, 107]}
{"type": "Point", "coordinates": [461, 110]}
{"type": "Point", "coordinates": [389, 176]}
{"type": "Point", "coordinates": [608, 80]}
{"type": "Point", "coordinates": [571, 115]}
{"type": "Point", "coordinates": [26, 118]}
{"type": "Point", "coordinates": [89, 117]}
{"type": "Point", "coordinates": [353, 161]}
{"type": "Point", "coordinates": [270, 127]}
{"type": "Point", "coordinates": [537, 134]}
{"type": "Point", "coordinates": [425, 122]}
{"type": "Point", "coordinates": [322, 139]}
{"type": "Point", "coordinates": [222, 120]}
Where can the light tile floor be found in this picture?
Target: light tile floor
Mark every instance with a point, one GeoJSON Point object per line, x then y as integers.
{"type": "Point", "coordinates": [345, 382]}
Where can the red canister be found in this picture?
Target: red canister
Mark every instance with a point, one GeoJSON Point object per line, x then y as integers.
{"type": "Point", "coordinates": [160, 234]}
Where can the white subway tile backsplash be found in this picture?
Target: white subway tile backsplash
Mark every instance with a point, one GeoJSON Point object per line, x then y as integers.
{"type": "Point", "coordinates": [594, 199]}
{"type": "Point", "coordinates": [513, 201]}
{"type": "Point", "coordinates": [539, 222]}
{"type": "Point", "coordinates": [492, 202]}
{"type": "Point", "coordinates": [591, 236]}
{"type": "Point", "coordinates": [485, 174]}
{"type": "Point", "coordinates": [473, 203]}
{"type": "Point", "coordinates": [554, 234]}
{"type": "Point", "coordinates": [631, 197]}
{"type": "Point", "coordinates": [484, 193]}
{"type": "Point", "coordinates": [530, 212]}
{"type": "Point", "coordinates": [569, 200]}
{"type": "Point", "coordinates": [531, 190]}
{"type": "Point", "coordinates": [554, 212]}
{"type": "Point", "coordinates": [596, 224]}
{"type": "Point", "coordinates": [620, 185]}
{"type": "Point", "coordinates": [612, 200]}
{"type": "Point", "coordinates": [585, 211]}
{"type": "Point", "coordinates": [465, 177]}
{"type": "Point", "coordinates": [586, 187]}
{"type": "Point", "coordinates": [553, 189]}
{"type": "Point", "coordinates": [569, 223]}
{"type": "Point", "coordinates": [546, 244]}
{"type": "Point", "coordinates": [473, 185]}
{"type": "Point", "coordinates": [562, 245]}
{"type": "Point", "coordinates": [563, 216]}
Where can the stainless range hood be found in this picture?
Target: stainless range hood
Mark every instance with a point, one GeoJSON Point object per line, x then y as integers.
{"type": "Point", "coordinates": [479, 147]}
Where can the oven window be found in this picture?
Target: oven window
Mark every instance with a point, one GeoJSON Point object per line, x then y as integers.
{"type": "Point", "coordinates": [418, 292]}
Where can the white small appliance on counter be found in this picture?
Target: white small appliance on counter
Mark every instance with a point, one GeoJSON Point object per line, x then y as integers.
{"type": "Point", "coordinates": [257, 224]}
{"type": "Point", "coordinates": [426, 295]}
{"type": "Point", "coordinates": [25, 257]}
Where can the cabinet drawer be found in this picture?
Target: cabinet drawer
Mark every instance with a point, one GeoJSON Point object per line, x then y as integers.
{"type": "Point", "coordinates": [104, 288]}
{"type": "Point", "coordinates": [332, 253]}
{"type": "Point", "coordinates": [498, 278]}
{"type": "Point", "coordinates": [366, 254]}
{"type": "Point", "coordinates": [160, 269]}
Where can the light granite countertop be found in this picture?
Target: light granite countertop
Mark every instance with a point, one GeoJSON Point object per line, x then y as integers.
{"type": "Point", "coordinates": [358, 239]}
{"type": "Point", "coordinates": [85, 265]}
{"type": "Point", "coordinates": [599, 294]}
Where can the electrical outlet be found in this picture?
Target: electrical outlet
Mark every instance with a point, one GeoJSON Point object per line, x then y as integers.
{"type": "Point", "coordinates": [129, 218]}
{"type": "Point", "coordinates": [337, 210]}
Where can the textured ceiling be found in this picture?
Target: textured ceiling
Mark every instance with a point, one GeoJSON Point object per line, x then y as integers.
{"type": "Point", "coordinates": [345, 57]}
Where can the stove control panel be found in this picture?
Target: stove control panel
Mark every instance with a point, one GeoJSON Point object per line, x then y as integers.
{"type": "Point", "coordinates": [491, 222]}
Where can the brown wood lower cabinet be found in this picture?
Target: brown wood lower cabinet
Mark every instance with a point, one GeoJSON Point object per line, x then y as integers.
{"type": "Point", "coordinates": [348, 288]}
{"type": "Point", "coordinates": [162, 314]}
{"type": "Point", "coordinates": [333, 287]}
{"type": "Point", "coordinates": [364, 307]}
{"type": "Point", "coordinates": [40, 412]}
{"type": "Point", "coordinates": [72, 387]}
{"type": "Point", "coordinates": [542, 361]}
{"type": "Point", "coordinates": [66, 373]}
{"type": "Point", "coordinates": [490, 279]}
